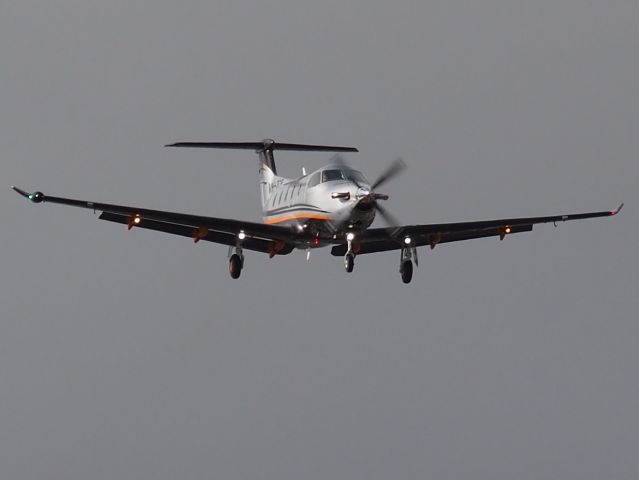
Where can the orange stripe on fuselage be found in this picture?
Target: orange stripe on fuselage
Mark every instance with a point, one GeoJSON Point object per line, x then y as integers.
{"type": "Point", "coordinates": [297, 216]}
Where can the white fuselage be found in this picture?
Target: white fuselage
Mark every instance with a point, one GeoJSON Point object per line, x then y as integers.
{"type": "Point", "coordinates": [326, 202]}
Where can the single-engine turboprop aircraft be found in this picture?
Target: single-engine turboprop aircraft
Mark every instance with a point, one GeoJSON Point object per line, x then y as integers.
{"type": "Point", "coordinates": [332, 206]}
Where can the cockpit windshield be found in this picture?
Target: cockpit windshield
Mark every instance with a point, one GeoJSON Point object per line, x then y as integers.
{"type": "Point", "coordinates": [352, 175]}
{"type": "Point", "coordinates": [332, 175]}
{"type": "Point", "coordinates": [355, 176]}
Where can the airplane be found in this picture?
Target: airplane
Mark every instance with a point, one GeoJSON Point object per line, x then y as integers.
{"type": "Point", "coordinates": [332, 206]}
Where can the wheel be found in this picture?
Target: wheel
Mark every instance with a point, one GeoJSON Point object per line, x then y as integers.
{"type": "Point", "coordinates": [349, 262]}
{"type": "Point", "coordinates": [235, 266]}
{"type": "Point", "coordinates": [406, 269]}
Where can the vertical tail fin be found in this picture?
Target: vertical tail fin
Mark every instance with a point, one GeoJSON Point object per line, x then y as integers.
{"type": "Point", "coordinates": [267, 172]}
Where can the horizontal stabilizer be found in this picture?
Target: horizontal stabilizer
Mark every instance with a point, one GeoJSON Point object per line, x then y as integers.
{"type": "Point", "coordinates": [264, 145]}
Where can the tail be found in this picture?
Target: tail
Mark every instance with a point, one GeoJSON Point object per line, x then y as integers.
{"type": "Point", "coordinates": [264, 150]}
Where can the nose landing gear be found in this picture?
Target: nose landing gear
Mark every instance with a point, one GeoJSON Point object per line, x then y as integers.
{"type": "Point", "coordinates": [349, 258]}
{"type": "Point", "coordinates": [349, 261]}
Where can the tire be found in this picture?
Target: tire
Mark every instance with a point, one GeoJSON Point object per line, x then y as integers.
{"type": "Point", "coordinates": [349, 262]}
{"type": "Point", "coordinates": [406, 270]}
{"type": "Point", "coordinates": [235, 266]}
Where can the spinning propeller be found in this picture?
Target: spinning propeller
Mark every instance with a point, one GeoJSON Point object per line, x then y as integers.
{"type": "Point", "coordinates": [369, 195]}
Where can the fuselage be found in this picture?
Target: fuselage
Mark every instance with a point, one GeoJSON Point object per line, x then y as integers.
{"type": "Point", "coordinates": [325, 203]}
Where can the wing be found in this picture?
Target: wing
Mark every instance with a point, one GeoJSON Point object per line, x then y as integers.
{"type": "Point", "coordinates": [271, 239]}
{"type": "Point", "coordinates": [383, 239]}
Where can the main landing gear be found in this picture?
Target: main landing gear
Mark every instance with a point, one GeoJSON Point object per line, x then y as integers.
{"type": "Point", "coordinates": [408, 254]}
{"type": "Point", "coordinates": [406, 270]}
{"type": "Point", "coordinates": [236, 262]}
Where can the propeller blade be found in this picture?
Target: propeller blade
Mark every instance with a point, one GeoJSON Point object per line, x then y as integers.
{"type": "Point", "coordinates": [391, 172]}
{"type": "Point", "coordinates": [341, 217]}
{"type": "Point", "coordinates": [339, 161]}
{"type": "Point", "coordinates": [390, 219]}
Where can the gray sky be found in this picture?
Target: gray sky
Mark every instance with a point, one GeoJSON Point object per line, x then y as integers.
{"type": "Point", "coordinates": [134, 355]}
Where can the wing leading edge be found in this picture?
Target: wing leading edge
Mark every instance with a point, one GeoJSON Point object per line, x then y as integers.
{"type": "Point", "coordinates": [277, 240]}
{"type": "Point", "coordinates": [383, 239]}
{"type": "Point", "coordinates": [271, 239]}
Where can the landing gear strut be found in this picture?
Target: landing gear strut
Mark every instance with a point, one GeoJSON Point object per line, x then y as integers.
{"type": "Point", "coordinates": [236, 262]}
{"type": "Point", "coordinates": [349, 258]}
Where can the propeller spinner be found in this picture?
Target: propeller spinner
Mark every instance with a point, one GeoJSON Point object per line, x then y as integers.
{"type": "Point", "coordinates": [368, 196]}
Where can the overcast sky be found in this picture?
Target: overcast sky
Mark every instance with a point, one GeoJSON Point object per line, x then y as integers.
{"type": "Point", "coordinates": [134, 354]}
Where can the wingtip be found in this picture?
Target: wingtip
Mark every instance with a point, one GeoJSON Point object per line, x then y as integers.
{"type": "Point", "coordinates": [617, 210]}
{"type": "Point", "coordinates": [19, 191]}
{"type": "Point", "coordinates": [35, 197]}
